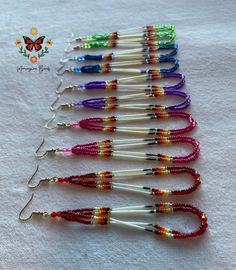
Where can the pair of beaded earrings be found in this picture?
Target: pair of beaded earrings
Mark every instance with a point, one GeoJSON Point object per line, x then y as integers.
{"type": "Point", "coordinates": [145, 45]}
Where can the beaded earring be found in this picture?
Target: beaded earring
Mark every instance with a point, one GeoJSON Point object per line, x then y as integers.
{"type": "Point", "coordinates": [113, 148]}
{"type": "Point", "coordinates": [123, 55]}
{"type": "Point", "coordinates": [112, 102]}
{"type": "Point", "coordinates": [152, 34]}
{"type": "Point", "coordinates": [129, 57]}
{"type": "Point", "coordinates": [101, 124]}
{"type": "Point", "coordinates": [109, 180]}
{"type": "Point", "coordinates": [130, 33]}
{"type": "Point", "coordinates": [106, 215]}
{"type": "Point", "coordinates": [117, 67]}
{"type": "Point", "coordinates": [128, 83]}
{"type": "Point", "coordinates": [111, 44]}
{"type": "Point", "coordinates": [126, 43]}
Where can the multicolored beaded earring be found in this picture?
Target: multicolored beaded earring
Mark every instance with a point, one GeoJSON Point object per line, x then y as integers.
{"type": "Point", "coordinates": [100, 124]}
{"type": "Point", "coordinates": [123, 55]}
{"type": "Point", "coordinates": [117, 67]}
{"type": "Point", "coordinates": [109, 180]}
{"type": "Point", "coordinates": [111, 44]}
{"type": "Point", "coordinates": [129, 57]}
{"type": "Point", "coordinates": [113, 148]}
{"type": "Point", "coordinates": [128, 83]}
{"type": "Point", "coordinates": [106, 215]}
{"type": "Point", "coordinates": [130, 33]}
{"type": "Point", "coordinates": [153, 34]}
{"type": "Point", "coordinates": [112, 102]}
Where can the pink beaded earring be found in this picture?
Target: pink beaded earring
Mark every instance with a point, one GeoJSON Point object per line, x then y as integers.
{"type": "Point", "coordinates": [115, 148]}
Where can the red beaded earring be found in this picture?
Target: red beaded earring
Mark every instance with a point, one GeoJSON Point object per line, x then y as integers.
{"type": "Point", "coordinates": [106, 215]}
{"type": "Point", "coordinates": [108, 180]}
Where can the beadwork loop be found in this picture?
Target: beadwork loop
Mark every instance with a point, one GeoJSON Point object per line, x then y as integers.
{"type": "Point", "coordinates": [123, 55]}
{"type": "Point", "coordinates": [108, 180]}
{"type": "Point", "coordinates": [113, 102]}
{"type": "Point", "coordinates": [127, 83]}
{"type": "Point", "coordinates": [150, 35]}
{"type": "Point", "coordinates": [113, 148]}
{"type": "Point", "coordinates": [118, 67]}
{"type": "Point", "coordinates": [107, 215]}
{"type": "Point", "coordinates": [101, 124]}
{"type": "Point", "coordinates": [125, 61]}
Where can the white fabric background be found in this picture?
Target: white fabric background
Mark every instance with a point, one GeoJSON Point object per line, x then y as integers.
{"type": "Point", "coordinates": [206, 37]}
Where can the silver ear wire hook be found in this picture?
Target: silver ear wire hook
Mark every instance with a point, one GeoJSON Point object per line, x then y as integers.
{"type": "Point", "coordinates": [34, 213]}
{"type": "Point", "coordinates": [54, 102]}
{"type": "Point", "coordinates": [32, 176]}
{"type": "Point", "coordinates": [39, 147]}
{"type": "Point", "coordinates": [67, 88]}
{"type": "Point", "coordinates": [66, 50]}
{"type": "Point", "coordinates": [70, 40]}
{"type": "Point", "coordinates": [58, 87]}
{"type": "Point", "coordinates": [51, 151]}
{"type": "Point", "coordinates": [41, 181]}
{"type": "Point", "coordinates": [69, 44]}
{"type": "Point", "coordinates": [65, 60]}
{"type": "Point", "coordinates": [58, 125]}
{"type": "Point", "coordinates": [69, 50]}
{"type": "Point", "coordinates": [63, 72]}
{"type": "Point", "coordinates": [49, 122]}
{"type": "Point", "coordinates": [67, 105]}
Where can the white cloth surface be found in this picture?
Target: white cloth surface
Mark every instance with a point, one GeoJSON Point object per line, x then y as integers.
{"type": "Point", "coordinates": [206, 37]}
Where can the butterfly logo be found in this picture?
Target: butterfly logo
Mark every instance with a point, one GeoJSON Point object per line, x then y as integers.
{"type": "Point", "coordinates": [30, 44]}
{"type": "Point", "coordinates": [33, 49]}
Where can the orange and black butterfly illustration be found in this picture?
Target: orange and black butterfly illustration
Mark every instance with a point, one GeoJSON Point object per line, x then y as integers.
{"type": "Point", "coordinates": [32, 47]}
{"type": "Point", "coordinates": [30, 44]}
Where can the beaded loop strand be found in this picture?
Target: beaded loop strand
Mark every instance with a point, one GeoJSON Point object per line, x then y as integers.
{"type": "Point", "coordinates": [113, 148]}
{"type": "Point", "coordinates": [100, 124]}
{"type": "Point", "coordinates": [117, 67]}
{"type": "Point", "coordinates": [107, 180]}
{"type": "Point", "coordinates": [112, 102]}
{"type": "Point", "coordinates": [127, 84]}
{"type": "Point", "coordinates": [134, 54]}
{"type": "Point", "coordinates": [151, 35]}
{"type": "Point", "coordinates": [106, 215]}
{"type": "Point", "coordinates": [160, 30]}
